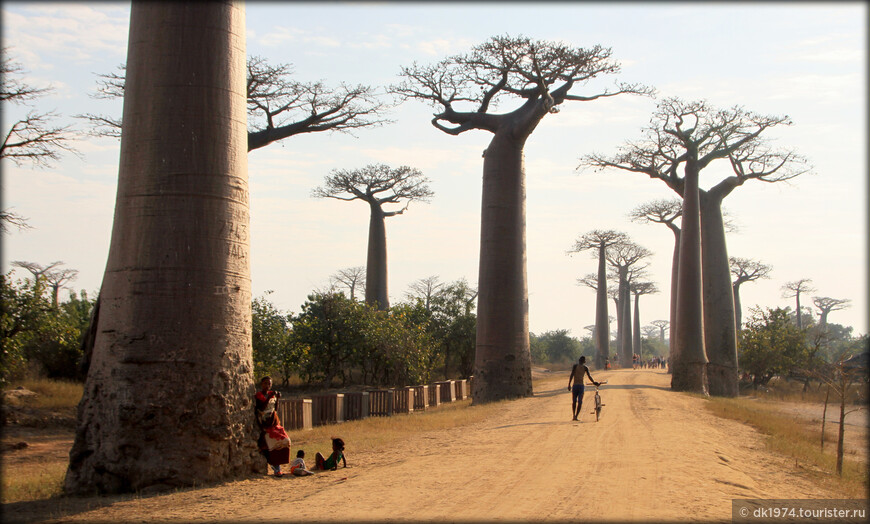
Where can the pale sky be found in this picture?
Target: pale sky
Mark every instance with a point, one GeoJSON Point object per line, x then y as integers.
{"type": "Point", "coordinates": [805, 60]}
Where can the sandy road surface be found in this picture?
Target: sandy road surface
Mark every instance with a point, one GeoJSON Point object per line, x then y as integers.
{"type": "Point", "coordinates": [660, 451]}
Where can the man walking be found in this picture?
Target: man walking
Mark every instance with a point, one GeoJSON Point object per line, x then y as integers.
{"type": "Point", "coordinates": [577, 391]}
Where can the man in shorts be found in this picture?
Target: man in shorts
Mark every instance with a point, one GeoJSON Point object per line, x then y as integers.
{"type": "Point", "coordinates": [577, 391]}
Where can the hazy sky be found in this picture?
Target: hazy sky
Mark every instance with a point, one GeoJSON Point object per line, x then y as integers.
{"type": "Point", "coordinates": [805, 60]}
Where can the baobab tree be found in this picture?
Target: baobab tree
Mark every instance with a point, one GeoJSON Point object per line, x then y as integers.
{"type": "Point", "coordinates": [662, 325]}
{"type": "Point", "coordinates": [167, 399]}
{"type": "Point", "coordinates": [794, 289]}
{"type": "Point", "coordinates": [665, 211]}
{"type": "Point", "coordinates": [56, 279]}
{"type": "Point", "coordinates": [351, 278]}
{"type": "Point", "coordinates": [377, 185]}
{"type": "Point", "coordinates": [278, 106]}
{"type": "Point", "coordinates": [465, 88]}
{"type": "Point", "coordinates": [745, 270]}
{"type": "Point", "coordinates": [692, 135]}
{"type": "Point", "coordinates": [36, 270]}
{"type": "Point", "coordinates": [828, 304]}
{"type": "Point", "coordinates": [638, 289]}
{"type": "Point", "coordinates": [424, 289]}
{"type": "Point", "coordinates": [598, 241]}
{"type": "Point", "coordinates": [649, 331]}
{"type": "Point", "coordinates": [623, 258]}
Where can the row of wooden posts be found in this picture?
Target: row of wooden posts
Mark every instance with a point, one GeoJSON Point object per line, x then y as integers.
{"type": "Point", "coordinates": [319, 410]}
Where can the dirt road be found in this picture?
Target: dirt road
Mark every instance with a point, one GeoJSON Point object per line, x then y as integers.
{"type": "Point", "coordinates": [655, 455]}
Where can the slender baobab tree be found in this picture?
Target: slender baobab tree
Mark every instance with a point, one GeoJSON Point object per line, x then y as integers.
{"type": "Point", "coordinates": [662, 325]}
{"type": "Point", "coordinates": [649, 331]}
{"type": "Point", "coordinates": [638, 289]}
{"type": "Point", "coordinates": [424, 289]}
{"type": "Point", "coordinates": [745, 270]}
{"type": "Point", "coordinates": [38, 271]}
{"type": "Point", "coordinates": [351, 278]}
{"type": "Point", "coordinates": [168, 397]}
{"type": "Point", "coordinates": [623, 258]}
{"type": "Point", "coordinates": [377, 185]}
{"type": "Point", "coordinates": [692, 135]}
{"type": "Point", "coordinates": [465, 89]}
{"type": "Point", "coordinates": [665, 211]}
{"type": "Point", "coordinates": [598, 241]}
{"type": "Point", "coordinates": [57, 278]}
{"type": "Point", "coordinates": [794, 289]}
{"type": "Point", "coordinates": [828, 304]}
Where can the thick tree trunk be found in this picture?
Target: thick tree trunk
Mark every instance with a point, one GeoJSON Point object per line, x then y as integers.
{"type": "Point", "coordinates": [738, 309]}
{"type": "Point", "coordinates": [673, 356]}
{"type": "Point", "coordinates": [636, 327]}
{"type": "Point", "coordinates": [167, 400]}
{"type": "Point", "coordinates": [720, 332]}
{"type": "Point", "coordinates": [690, 369]}
{"type": "Point", "coordinates": [376, 263]}
{"type": "Point", "coordinates": [617, 304]}
{"type": "Point", "coordinates": [625, 304]}
{"type": "Point", "coordinates": [602, 328]}
{"type": "Point", "coordinates": [502, 367]}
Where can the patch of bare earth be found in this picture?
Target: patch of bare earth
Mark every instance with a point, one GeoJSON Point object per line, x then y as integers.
{"type": "Point", "coordinates": [655, 455]}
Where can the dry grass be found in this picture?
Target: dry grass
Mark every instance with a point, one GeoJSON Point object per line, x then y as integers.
{"type": "Point", "coordinates": [795, 438]}
{"type": "Point", "coordinates": [52, 394]}
{"type": "Point", "coordinates": [376, 433]}
{"type": "Point", "coordinates": [34, 483]}
{"type": "Point", "coordinates": [793, 391]}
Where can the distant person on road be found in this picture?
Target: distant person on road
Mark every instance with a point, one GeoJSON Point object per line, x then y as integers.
{"type": "Point", "coordinates": [577, 391]}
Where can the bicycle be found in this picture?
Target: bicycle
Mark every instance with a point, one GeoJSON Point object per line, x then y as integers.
{"type": "Point", "coordinates": [598, 404]}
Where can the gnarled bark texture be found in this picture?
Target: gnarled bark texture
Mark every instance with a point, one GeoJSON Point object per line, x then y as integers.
{"type": "Point", "coordinates": [690, 370]}
{"type": "Point", "coordinates": [720, 331]}
{"type": "Point", "coordinates": [167, 400]}
{"type": "Point", "coordinates": [502, 366]}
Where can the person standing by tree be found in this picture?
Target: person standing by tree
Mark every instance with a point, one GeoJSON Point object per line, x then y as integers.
{"type": "Point", "coordinates": [577, 372]}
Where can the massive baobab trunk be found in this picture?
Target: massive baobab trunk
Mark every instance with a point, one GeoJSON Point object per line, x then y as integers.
{"type": "Point", "coordinates": [720, 331]}
{"type": "Point", "coordinates": [376, 263]}
{"type": "Point", "coordinates": [602, 324]}
{"type": "Point", "coordinates": [635, 341]}
{"type": "Point", "coordinates": [625, 304]}
{"type": "Point", "coordinates": [167, 400]}
{"type": "Point", "coordinates": [502, 367]}
{"type": "Point", "coordinates": [690, 369]}
{"type": "Point", "coordinates": [673, 356]}
{"type": "Point", "coordinates": [738, 309]}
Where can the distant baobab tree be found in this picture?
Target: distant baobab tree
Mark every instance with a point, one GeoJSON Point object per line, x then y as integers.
{"type": "Point", "coordinates": [465, 89]}
{"type": "Point", "coordinates": [351, 278]}
{"type": "Point", "coordinates": [745, 270]}
{"type": "Point", "coordinates": [649, 331]}
{"type": "Point", "coordinates": [826, 305]}
{"type": "Point", "coordinates": [424, 289]}
{"type": "Point", "coordinates": [56, 279]}
{"type": "Point", "coordinates": [794, 289]}
{"type": "Point", "coordinates": [638, 289]}
{"type": "Point", "coordinates": [597, 241]}
{"type": "Point", "coordinates": [171, 362]}
{"type": "Point", "coordinates": [624, 257]}
{"type": "Point", "coordinates": [665, 211]}
{"type": "Point", "coordinates": [377, 185]}
{"type": "Point", "coordinates": [662, 325]}
{"type": "Point", "coordinates": [692, 135]}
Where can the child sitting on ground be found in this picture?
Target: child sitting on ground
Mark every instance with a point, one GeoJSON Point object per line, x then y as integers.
{"type": "Point", "coordinates": [297, 467]}
{"type": "Point", "coordinates": [332, 461]}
